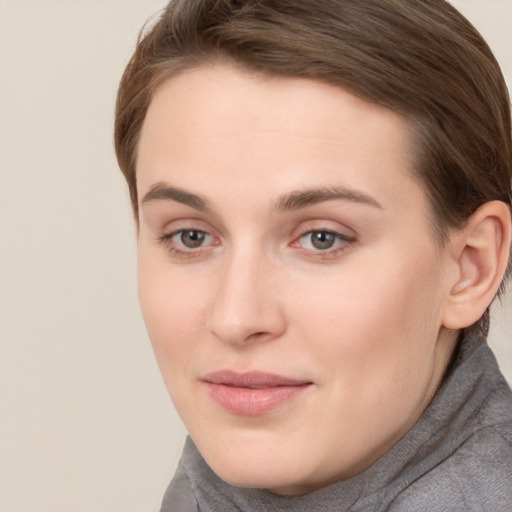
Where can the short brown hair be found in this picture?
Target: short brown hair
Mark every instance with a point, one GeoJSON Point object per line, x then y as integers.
{"type": "Point", "coordinates": [420, 58]}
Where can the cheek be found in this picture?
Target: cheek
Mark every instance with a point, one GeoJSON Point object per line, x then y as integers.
{"type": "Point", "coordinates": [374, 324]}
{"type": "Point", "coordinates": [172, 313]}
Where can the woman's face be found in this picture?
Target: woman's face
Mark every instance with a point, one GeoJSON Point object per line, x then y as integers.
{"type": "Point", "coordinates": [289, 275]}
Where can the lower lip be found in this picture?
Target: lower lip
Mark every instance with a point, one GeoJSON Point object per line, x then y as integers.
{"type": "Point", "coordinates": [254, 402]}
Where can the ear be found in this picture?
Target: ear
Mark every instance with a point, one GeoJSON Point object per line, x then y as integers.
{"type": "Point", "coordinates": [480, 252]}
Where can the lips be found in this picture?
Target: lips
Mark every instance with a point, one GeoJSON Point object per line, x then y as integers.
{"type": "Point", "coordinates": [253, 393]}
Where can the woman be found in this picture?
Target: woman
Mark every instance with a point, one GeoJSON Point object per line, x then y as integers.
{"type": "Point", "coordinates": [322, 197]}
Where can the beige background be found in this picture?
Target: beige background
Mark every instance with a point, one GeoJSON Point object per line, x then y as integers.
{"type": "Point", "coordinates": [85, 422]}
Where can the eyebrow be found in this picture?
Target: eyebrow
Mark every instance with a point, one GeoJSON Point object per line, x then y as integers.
{"type": "Point", "coordinates": [161, 191]}
{"type": "Point", "coordinates": [296, 200]}
{"type": "Point", "coordinates": [309, 197]}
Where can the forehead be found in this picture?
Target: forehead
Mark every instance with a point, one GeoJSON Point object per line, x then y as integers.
{"type": "Point", "coordinates": [246, 100]}
{"type": "Point", "coordinates": [219, 125]}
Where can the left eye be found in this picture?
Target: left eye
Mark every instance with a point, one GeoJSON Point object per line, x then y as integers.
{"type": "Point", "coordinates": [322, 240]}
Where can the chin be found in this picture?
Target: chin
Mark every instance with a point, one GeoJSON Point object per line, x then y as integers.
{"type": "Point", "coordinates": [259, 468]}
{"type": "Point", "coordinates": [265, 479]}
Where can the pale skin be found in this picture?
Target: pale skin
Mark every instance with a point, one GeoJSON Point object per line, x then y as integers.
{"type": "Point", "coordinates": [282, 230]}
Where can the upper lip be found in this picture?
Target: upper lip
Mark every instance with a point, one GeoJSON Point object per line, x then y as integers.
{"type": "Point", "coordinates": [253, 379]}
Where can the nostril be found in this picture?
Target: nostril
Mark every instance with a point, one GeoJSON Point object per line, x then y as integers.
{"type": "Point", "coordinates": [257, 336]}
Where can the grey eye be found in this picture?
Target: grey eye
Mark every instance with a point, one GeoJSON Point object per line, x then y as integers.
{"type": "Point", "coordinates": [192, 238]}
{"type": "Point", "coordinates": [322, 240]}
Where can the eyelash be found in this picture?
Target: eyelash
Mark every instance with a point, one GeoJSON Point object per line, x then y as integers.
{"type": "Point", "coordinates": [341, 241]}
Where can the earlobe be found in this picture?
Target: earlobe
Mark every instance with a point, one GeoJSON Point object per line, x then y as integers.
{"type": "Point", "coordinates": [481, 251]}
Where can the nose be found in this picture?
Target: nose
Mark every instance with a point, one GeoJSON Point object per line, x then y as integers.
{"type": "Point", "coordinates": [246, 306]}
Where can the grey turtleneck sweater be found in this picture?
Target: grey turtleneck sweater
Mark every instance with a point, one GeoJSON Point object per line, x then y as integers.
{"type": "Point", "coordinates": [458, 457]}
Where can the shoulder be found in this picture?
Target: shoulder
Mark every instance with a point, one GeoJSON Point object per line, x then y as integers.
{"type": "Point", "coordinates": [476, 477]}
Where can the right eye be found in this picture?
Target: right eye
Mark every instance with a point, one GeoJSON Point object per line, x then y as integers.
{"type": "Point", "coordinates": [192, 238]}
{"type": "Point", "coordinates": [187, 240]}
